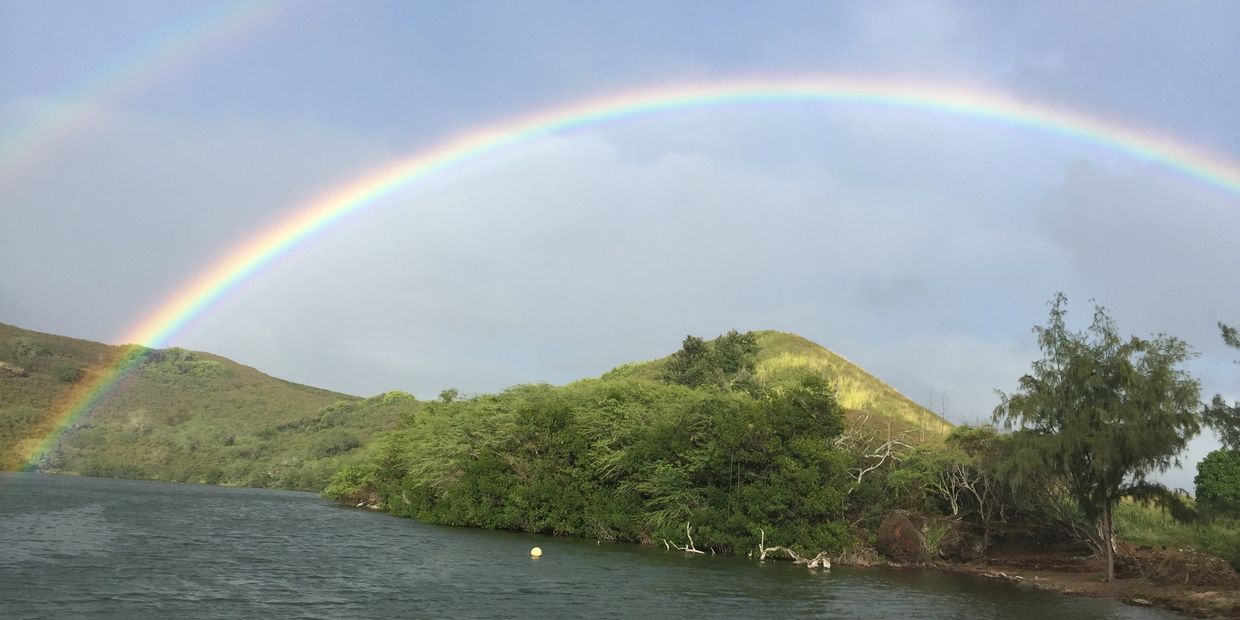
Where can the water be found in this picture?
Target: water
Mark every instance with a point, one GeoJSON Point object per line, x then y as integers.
{"type": "Point", "coordinates": [117, 548]}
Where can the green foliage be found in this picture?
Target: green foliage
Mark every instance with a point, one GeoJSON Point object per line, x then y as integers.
{"type": "Point", "coordinates": [1218, 482]}
{"type": "Point", "coordinates": [1101, 412]}
{"type": "Point", "coordinates": [1224, 418]}
{"type": "Point", "coordinates": [723, 362]}
{"type": "Point", "coordinates": [1141, 524]}
{"type": "Point", "coordinates": [625, 459]}
{"type": "Point", "coordinates": [783, 357]}
{"type": "Point", "coordinates": [335, 441]}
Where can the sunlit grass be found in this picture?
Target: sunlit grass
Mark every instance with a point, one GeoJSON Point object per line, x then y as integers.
{"type": "Point", "coordinates": [1151, 526]}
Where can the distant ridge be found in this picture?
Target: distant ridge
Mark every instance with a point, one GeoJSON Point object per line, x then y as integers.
{"type": "Point", "coordinates": [191, 416]}
{"type": "Point", "coordinates": [182, 416]}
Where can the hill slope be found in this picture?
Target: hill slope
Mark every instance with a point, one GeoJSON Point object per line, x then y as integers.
{"type": "Point", "coordinates": [181, 416]}
{"type": "Point", "coordinates": [866, 398]}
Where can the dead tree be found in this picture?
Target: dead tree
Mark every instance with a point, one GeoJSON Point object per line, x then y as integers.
{"type": "Point", "coordinates": [689, 548]}
{"type": "Point", "coordinates": [822, 560]}
{"type": "Point", "coordinates": [872, 451]}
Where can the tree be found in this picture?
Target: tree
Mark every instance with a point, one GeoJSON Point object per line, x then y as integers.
{"type": "Point", "coordinates": [726, 361]}
{"type": "Point", "coordinates": [1218, 482]}
{"type": "Point", "coordinates": [1102, 413]}
{"type": "Point", "coordinates": [1222, 417]}
{"type": "Point", "coordinates": [1218, 475]}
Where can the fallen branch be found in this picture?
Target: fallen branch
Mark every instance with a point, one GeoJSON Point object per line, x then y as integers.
{"type": "Point", "coordinates": [819, 561]}
{"type": "Point", "coordinates": [689, 548]}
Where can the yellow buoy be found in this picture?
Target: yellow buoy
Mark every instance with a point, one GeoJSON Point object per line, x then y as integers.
{"type": "Point", "coordinates": [535, 552]}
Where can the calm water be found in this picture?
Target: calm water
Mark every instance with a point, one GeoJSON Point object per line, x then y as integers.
{"type": "Point", "coordinates": [98, 547]}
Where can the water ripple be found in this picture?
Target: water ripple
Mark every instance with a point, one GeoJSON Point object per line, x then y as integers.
{"type": "Point", "coordinates": [84, 546]}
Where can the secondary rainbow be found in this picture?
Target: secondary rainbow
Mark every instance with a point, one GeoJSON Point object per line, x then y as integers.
{"type": "Point", "coordinates": [305, 221]}
{"type": "Point", "coordinates": [79, 104]}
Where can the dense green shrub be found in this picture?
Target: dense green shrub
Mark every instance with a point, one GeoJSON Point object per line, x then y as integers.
{"type": "Point", "coordinates": [1218, 482]}
{"type": "Point", "coordinates": [624, 459]}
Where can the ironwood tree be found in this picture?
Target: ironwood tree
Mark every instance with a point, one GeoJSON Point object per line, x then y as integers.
{"type": "Point", "coordinates": [1102, 413]}
{"type": "Point", "coordinates": [1224, 418]}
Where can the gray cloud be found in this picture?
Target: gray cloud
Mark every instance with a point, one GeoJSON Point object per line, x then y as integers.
{"type": "Point", "coordinates": [921, 246]}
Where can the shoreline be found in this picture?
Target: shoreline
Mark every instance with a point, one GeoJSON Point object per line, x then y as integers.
{"type": "Point", "coordinates": [1045, 572]}
{"type": "Point", "coordinates": [1195, 601]}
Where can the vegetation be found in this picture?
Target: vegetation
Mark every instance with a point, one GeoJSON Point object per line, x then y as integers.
{"type": "Point", "coordinates": [1218, 483]}
{"type": "Point", "coordinates": [1143, 524]}
{"type": "Point", "coordinates": [180, 416]}
{"type": "Point", "coordinates": [1218, 475]}
{"type": "Point", "coordinates": [1101, 413]}
{"type": "Point", "coordinates": [726, 362]}
{"type": "Point", "coordinates": [702, 450]}
{"type": "Point", "coordinates": [782, 356]}
{"type": "Point", "coordinates": [757, 436]}
{"type": "Point", "coordinates": [1224, 417]}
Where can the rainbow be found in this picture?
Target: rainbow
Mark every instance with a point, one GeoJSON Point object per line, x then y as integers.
{"type": "Point", "coordinates": [77, 107]}
{"type": "Point", "coordinates": [307, 220]}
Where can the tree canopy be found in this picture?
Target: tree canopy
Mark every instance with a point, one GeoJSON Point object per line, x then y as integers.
{"type": "Point", "coordinates": [727, 361]}
{"type": "Point", "coordinates": [1224, 418]}
{"type": "Point", "coordinates": [1102, 412]}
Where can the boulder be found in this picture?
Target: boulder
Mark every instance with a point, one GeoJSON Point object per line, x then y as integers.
{"type": "Point", "coordinates": [901, 540]}
{"type": "Point", "coordinates": [958, 545]}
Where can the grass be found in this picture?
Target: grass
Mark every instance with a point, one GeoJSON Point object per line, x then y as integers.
{"type": "Point", "coordinates": [867, 399]}
{"type": "Point", "coordinates": [1151, 526]}
{"type": "Point", "coordinates": [196, 417]}
{"type": "Point", "coordinates": [182, 416]}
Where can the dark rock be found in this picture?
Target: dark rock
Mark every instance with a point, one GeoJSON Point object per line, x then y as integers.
{"type": "Point", "coordinates": [900, 540]}
{"type": "Point", "coordinates": [958, 545]}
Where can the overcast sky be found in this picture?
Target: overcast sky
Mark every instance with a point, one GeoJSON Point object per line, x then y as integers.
{"type": "Point", "coordinates": [923, 247]}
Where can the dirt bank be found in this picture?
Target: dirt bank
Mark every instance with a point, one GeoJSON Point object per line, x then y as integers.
{"type": "Point", "coordinates": [1212, 596]}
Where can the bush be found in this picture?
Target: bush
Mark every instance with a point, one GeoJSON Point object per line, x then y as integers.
{"type": "Point", "coordinates": [335, 441]}
{"type": "Point", "coordinates": [1218, 482]}
{"type": "Point", "coordinates": [66, 373]}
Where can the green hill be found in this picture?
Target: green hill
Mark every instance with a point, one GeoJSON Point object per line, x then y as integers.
{"type": "Point", "coordinates": [181, 416]}
{"type": "Point", "coordinates": [746, 437]}
{"type": "Point", "coordinates": [196, 417]}
{"type": "Point", "coordinates": [866, 399]}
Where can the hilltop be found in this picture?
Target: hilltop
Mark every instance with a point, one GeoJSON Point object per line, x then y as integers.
{"type": "Point", "coordinates": [865, 398]}
{"type": "Point", "coordinates": [184, 416]}
{"type": "Point", "coordinates": [749, 436]}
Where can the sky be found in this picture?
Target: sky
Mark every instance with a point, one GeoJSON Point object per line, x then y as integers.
{"type": "Point", "coordinates": [140, 141]}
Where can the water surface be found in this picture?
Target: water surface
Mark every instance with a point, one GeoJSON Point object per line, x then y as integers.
{"type": "Point", "coordinates": [119, 548]}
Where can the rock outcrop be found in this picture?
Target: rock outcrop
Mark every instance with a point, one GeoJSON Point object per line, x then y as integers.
{"type": "Point", "coordinates": [901, 540]}
{"type": "Point", "coordinates": [959, 545]}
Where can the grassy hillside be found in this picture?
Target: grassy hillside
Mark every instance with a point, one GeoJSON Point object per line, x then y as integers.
{"type": "Point", "coordinates": [866, 398]}
{"type": "Point", "coordinates": [181, 416]}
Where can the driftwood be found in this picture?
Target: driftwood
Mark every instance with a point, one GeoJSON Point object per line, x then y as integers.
{"type": "Point", "coordinates": [819, 561]}
{"type": "Point", "coordinates": [689, 548]}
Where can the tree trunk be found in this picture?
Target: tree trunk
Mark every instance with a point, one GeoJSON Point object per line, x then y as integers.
{"type": "Point", "coordinates": [1107, 539]}
{"type": "Point", "coordinates": [985, 539]}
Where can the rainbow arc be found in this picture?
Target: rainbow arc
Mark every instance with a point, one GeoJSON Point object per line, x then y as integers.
{"type": "Point", "coordinates": [305, 221]}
